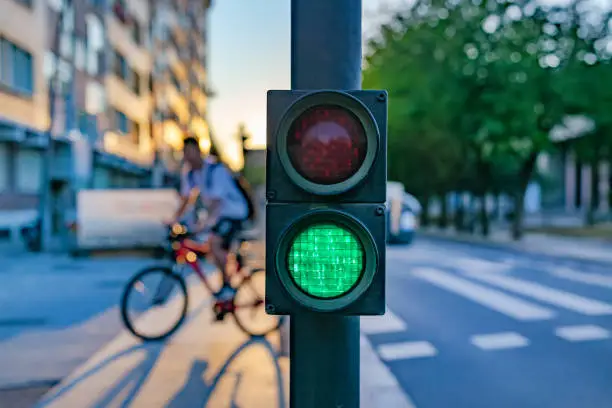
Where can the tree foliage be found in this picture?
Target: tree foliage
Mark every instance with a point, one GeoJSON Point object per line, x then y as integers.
{"type": "Point", "coordinates": [476, 86]}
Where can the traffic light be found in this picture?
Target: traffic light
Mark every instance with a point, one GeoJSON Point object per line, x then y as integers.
{"type": "Point", "coordinates": [326, 191]}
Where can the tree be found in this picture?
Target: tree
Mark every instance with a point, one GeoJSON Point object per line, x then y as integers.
{"type": "Point", "coordinates": [475, 89]}
{"type": "Point", "coordinates": [424, 154]}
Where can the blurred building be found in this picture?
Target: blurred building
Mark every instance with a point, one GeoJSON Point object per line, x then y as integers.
{"type": "Point", "coordinates": [179, 44]}
{"type": "Point", "coordinates": [568, 183]}
{"type": "Point", "coordinates": [129, 81]}
{"type": "Point", "coordinates": [23, 110]}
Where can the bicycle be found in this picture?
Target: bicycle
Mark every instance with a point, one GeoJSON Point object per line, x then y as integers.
{"type": "Point", "coordinates": [183, 251]}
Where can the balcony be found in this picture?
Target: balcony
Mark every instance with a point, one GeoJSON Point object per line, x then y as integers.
{"type": "Point", "coordinates": [124, 99]}
{"type": "Point", "coordinates": [121, 38]}
{"type": "Point", "coordinates": [178, 104]}
{"type": "Point", "coordinates": [117, 144]}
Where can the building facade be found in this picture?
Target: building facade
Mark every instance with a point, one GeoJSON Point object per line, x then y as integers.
{"type": "Point", "coordinates": [181, 89]}
{"type": "Point", "coordinates": [122, 89]}
{"type": "Point", "coordinates": [23, 110]}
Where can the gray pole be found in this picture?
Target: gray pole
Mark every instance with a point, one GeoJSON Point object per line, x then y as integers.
{"type": "Point", "coordinates": [47, 164]}
{"type": "Point", "coordinates": [324, 349]}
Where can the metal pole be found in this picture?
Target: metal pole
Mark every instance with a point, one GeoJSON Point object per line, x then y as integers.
{"type": "Point", "coordinates": [324, 349]}
{"type": "Point", "coordinates": [45, 188]}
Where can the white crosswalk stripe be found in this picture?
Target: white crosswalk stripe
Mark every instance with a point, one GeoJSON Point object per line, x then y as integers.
{"type": "Point", "coordinates": [546, 294]}
{"type": "Point", "coordinates": [473, 285]}
{"type": "Point", "coordinates": [588, 278]}
{"type": "Point", "coordinates": [389, 323]}
{"type": "Point", "coordinates": [582, 333]}
{"type": "Point", "coordinates": [498, 341]}
{"type": "Point", "coordinates": [406, 350]}
{"type": "Point", "coordinates": [493, 299]}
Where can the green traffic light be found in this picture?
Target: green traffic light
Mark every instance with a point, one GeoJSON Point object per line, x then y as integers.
{"type": "Point", "coordinates": [326, 260]}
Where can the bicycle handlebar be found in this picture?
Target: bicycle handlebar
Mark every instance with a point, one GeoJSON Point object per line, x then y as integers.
{"type": "Point", "coordinates": [181, 231]}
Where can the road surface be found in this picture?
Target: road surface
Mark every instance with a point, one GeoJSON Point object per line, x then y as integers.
{"type": "Point", "coordinates": [480, 327]}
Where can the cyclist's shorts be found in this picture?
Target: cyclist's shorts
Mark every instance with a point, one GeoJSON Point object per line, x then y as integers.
{"type": "Point", "coordinates": [227, 229]}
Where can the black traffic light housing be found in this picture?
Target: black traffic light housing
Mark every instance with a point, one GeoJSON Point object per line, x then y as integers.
{"type": "Point", "coordinates": [283, 297]}
{"type": "Point", "coordinates": [370, 106]}
{"type": "Point", "coordinates": [358, 205]}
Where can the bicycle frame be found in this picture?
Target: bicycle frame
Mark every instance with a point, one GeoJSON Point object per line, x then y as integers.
{"type": "Point", "coordinates": [189, 252]}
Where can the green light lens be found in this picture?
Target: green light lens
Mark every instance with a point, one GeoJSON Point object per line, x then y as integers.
{"type": "Point", "coordinates": [326, 260]}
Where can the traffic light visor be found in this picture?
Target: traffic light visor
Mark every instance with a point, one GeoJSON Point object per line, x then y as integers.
{"type": "Point", "coordinates": [326, 260]}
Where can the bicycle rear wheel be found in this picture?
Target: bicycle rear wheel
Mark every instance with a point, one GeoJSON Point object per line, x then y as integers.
{"type": "Point", "coordinates": [249, 306]}
{"type": "Point", "coordinates": [166, 292]}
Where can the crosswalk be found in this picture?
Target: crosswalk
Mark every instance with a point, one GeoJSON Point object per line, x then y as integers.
{"type": "Point", "coordinates": [496, 289]}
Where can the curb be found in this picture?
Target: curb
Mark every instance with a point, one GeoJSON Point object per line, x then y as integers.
{"type": "Point", "coordinates": [508, 247]}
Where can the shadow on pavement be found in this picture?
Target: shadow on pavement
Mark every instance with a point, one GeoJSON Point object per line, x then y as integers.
{"type": "Point", "coordinates": [136, 376]}
{"type": "Point", "coordinates": [196, 389]}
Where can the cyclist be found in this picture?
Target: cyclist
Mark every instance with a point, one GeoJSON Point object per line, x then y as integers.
{"type": "Point", "coordinates": [227, 207]}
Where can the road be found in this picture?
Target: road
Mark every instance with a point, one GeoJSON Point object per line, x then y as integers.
{"type": "Point", "coordinates": [480, 327]}
{"type": "Point", "coordinates": [466, 325]}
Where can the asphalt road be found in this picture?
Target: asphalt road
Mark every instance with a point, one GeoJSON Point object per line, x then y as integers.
{"type": "Point", "coordinates": [467, 326]}
{"type": "Point", "coordinates": [478, 327]}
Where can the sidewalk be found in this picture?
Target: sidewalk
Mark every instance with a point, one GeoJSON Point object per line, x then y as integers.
{"type": "Point", "coordinates": [581, 249]}
{"type": "Point", "coordinates": [56, 311]}
{"type": "Point", "coordinates": [203, 365]}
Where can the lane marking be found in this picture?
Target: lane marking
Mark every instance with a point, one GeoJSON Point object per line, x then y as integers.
{"type": "Point", "coordinates": [543, 293]}
{"type": "Point", "coordinates": [499, 341]}
{"type": "Point", "coordinates": [588, 278]}
{"type": "Point", "coordinates": [476, 265]}
{"type": "Point", "coordinates": [493, 299]}
{"type": "Point", "coordinates": [406, 350]}
{"type": "Point", "coordinates": [582, 333]}
{"type": "Point", "coordinates": [389, 323]}
{"type": "Point", "coordinates": [379, 387]}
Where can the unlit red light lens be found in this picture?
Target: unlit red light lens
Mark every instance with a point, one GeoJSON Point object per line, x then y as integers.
{"type": "Point", "coordinates": [327, 145]}
{"type": "Point", "coordinates": [326, 260]}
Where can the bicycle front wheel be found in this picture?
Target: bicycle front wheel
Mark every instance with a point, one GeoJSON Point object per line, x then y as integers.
{"type": "Point", "coordinates": [249, 306]}
{"type": "Point", "coordinates": [154, 303]}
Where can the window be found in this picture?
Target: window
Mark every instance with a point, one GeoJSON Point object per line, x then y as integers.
{"type": "Point", "coordinates": [28, 171]}
{"type": "Point", "coordinates": [175, 81]}
{"type": "Point", "coordinates": [94, 61]}
{"type": "Point", "coordinates": [79, 55]}
{"type": "Point", "coordinates": [125, 72]}
{"type": "Point", "coordinates": [120, 67]}
{"type": "Point", "coordinates": [122, 122]}
{"type": "Point", "coordinates": [16, 68]}
{"type": "Point", "coordinates": [136, 32]}
{"type": "Point", "coordinates": [127, 126]}
{"type": "Point", "coordinates": [4, 166]}
{"type": "Point", "coordinates": [136, 82]}
{"type": "Point", "coordinates": [135, 132]}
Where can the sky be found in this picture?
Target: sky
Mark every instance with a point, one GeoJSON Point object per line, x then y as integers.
{"type": "Point", "coordinates": [250, 53]}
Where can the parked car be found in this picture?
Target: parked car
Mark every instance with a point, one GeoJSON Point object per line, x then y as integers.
{"type": "Point", "coordinates": [401, 230]}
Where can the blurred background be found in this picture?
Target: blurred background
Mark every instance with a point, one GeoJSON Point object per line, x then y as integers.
{"type": "Point", "coordinates": [500, 150]}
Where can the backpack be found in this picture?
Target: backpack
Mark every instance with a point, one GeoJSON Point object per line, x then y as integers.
{"type": "Point", "coordinates": [241, 184]}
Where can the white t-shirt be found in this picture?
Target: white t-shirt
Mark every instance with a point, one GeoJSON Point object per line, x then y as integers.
{"type": "Point", "coordinates": [222, 187]}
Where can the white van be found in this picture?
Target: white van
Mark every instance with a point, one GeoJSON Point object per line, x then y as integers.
{"type": "Point", "coordinates": [403, 214]}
